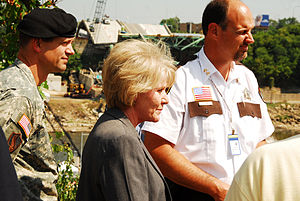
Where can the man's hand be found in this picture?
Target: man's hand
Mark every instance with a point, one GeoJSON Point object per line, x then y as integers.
{"type": "Point", "coordinates": [221, 191]}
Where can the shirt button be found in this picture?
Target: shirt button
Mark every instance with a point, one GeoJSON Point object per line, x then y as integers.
{"type": "Point", "coordinates": [206, 111]}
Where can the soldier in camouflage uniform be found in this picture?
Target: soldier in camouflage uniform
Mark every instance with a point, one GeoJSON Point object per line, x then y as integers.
{"type": "Point", "coordinates": [46, 36]}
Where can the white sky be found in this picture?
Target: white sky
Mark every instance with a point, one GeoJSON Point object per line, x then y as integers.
{"type": "Point", "coordinates": [153, 11]}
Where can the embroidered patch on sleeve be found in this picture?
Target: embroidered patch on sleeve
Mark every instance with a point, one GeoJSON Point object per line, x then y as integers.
{"type": "Point", "coordinates": [25, 123]}
{"type": "Point", "coordinates": [14, 141]}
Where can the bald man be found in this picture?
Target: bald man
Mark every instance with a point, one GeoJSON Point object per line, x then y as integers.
{"type": "Point", "coordinates": [215, 117]}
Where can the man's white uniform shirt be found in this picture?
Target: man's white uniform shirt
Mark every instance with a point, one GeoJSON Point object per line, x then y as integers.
{"type": "Point", "coordinates": [204, 139]}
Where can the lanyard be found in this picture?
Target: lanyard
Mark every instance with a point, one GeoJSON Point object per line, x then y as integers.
{"type": "Point", "coordinates": [229, 110]}
{"type": "Point", "coordinates": [227, 106]}
{"type": "Point", "coordinates": [230, 119]}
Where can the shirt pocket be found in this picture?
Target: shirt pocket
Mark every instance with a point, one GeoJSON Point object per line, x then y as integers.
{"type": "Point", "coordinates": [249, 109]}
{"type": "Point", "coordinates": [208, 125]}
{"type": "Point", "coordinates": [198, 108]}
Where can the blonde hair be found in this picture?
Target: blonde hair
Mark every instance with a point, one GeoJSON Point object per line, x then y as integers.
{"type": "Point", "coordinates": [134, 67]}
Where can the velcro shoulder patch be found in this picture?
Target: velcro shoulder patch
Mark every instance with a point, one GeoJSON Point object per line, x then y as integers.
{"type": "Point", "coordinates": [26, 125]}
{"type": "Point", "coordinates": [14, 141]}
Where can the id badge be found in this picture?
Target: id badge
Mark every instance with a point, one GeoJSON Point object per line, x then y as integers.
{"type": "Point", "coordinates": [234, 144]}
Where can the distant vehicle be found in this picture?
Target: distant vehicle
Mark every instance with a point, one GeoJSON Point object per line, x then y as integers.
{"type": "Point", "coordinates": [91, 27]}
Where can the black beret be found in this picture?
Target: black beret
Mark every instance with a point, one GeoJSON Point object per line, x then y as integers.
{"type": "Point", "coordinates": [48, 23]}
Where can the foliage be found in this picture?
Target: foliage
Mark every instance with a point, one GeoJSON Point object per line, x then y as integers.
{"type": "Point", "coordinates": [67, 183]}
{"type": "Point", "coordinates": [42, 93]}
{"type": "Point", "coordinates": [172, 23]}
{"type": "Point", "coordinates": [45, 85]}
{"type": "Point", "coordinates": [11, 13]}
{"type": "Point", "coordinates": [275, 55]}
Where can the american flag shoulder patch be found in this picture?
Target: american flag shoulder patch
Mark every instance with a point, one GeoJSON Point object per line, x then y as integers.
{"type": "Point", "coordinates": [25, 123]}
{"type": "Point", "coordinates": [202, 93]}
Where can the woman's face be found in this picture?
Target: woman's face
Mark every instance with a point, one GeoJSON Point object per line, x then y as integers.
{"type": "Point", "coordinates": [149, 105]}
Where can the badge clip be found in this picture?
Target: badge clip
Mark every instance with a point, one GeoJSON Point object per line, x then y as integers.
{"type": "Point", "coordinates": [234, 143]}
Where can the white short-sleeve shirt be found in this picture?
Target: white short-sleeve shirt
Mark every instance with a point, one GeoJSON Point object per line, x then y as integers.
{"type": "Point", "coordinates": [204, 139]}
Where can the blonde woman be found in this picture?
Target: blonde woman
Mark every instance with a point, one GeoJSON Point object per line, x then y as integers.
{"type": "Point", "coordinates": [116, 166]}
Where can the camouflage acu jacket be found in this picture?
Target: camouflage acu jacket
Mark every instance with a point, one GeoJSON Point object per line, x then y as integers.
{"type": "Point", "coordinates": [22, 119]}
{"type": "Point", "coordinates": [21, 106]}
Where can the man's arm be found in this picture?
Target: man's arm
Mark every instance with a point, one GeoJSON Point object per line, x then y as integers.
{"type": "Point", "coordinates": [180, 170]}
{"type": "Point", "coordinates": [15, 120]}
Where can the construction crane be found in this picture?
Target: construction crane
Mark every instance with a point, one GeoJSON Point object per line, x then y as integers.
{"type": "Point", "coordinates": [99, 11]}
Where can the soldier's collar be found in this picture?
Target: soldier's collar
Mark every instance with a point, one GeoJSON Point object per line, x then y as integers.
{"type": "Point", "coordinates": [26, 70]}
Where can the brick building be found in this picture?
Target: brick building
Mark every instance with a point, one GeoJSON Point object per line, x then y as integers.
{"type": "Point", "coordinates": [190, 27]}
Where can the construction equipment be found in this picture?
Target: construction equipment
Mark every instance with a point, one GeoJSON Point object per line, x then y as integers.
{"type": "Point", "coordinates": [98, 14]}
{"type": "Point", "coordinates": [99, 11]}
{"type": "Point", "coordinates": [76, 90]}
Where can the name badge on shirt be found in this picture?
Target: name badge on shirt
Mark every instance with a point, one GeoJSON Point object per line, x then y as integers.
{"type": "Point", "coordinates": [234, 144]}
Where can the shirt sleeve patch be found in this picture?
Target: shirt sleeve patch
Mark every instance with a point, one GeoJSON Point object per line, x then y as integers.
{"type": "Point", "coordinates": [25, 123]}
{"type": "Point", "coordinates": [14, 141]}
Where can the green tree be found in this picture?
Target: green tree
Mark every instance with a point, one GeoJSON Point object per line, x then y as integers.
{"type": "Point", "coordinates": [172, 23]}
{"type": "Point", "coordinates": [11, 13]}
{"type": "Point", "coordinates": [286, 21]}
{"type": "Point", "coordinates": [275, 54]}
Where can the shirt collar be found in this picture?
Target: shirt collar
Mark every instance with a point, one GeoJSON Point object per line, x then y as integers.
{"type": "Point", "coordinates": [233, 75]}
{"type": "Point", "coordinates": [26, 70]}
{"type": "Point", "coordinates": [208, 69]}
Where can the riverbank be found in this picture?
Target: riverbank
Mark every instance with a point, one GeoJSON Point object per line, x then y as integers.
{"type": "Point", "coordinates": [285, 118]}
{"type": "Point", "coordinates": [77, 117]}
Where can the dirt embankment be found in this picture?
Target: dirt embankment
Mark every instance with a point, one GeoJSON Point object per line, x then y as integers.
{"type": "Point", "coordinates": [286, 119]}
{"type": "Point", "coordinates": [80, 115]}
{"type": "Point", "coordinates": [72, 115]}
